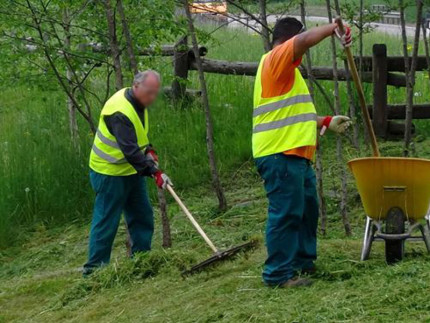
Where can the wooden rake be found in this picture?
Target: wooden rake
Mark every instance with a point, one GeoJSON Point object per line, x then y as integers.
{"type": "Point", "coordinates": [219, 255]}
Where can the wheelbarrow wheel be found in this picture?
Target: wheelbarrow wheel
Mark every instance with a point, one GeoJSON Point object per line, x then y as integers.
{"type": "Point", "coordinates": [394, 250]}
{"type": "Point", "coordinates": [395, 224]}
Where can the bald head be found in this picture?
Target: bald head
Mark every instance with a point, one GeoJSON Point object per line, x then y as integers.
{"type": "Point", "coordinates": [146, 86]}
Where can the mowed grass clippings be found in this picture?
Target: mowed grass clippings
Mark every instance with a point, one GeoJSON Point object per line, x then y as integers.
{"type": "Point", "coordinates": [150, 288]}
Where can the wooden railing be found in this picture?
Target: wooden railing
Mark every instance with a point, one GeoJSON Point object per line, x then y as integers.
{"type": "Point", "coordinates": [379, 69]}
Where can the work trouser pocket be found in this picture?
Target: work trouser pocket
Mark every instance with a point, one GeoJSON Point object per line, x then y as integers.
{"type": "Point", "coordinates": [98, 181]}
{"type": "Point", "coordinates": [273, 170]}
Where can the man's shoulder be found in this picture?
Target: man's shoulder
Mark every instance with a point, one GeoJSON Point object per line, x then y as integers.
{"type": "Point", "coordinates": [284, 48]}
{"type": "Point", "coordinates": [117, 117]}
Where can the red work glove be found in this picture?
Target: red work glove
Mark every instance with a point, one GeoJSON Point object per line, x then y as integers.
{"type": "Point", "coordinates": [337, 124]}
{"type": "Point", "coordinates": [325, 124]}
{"type": "Point", "coordinates": [162, 179]}
{"type": "Point", "coordinates": [346, 38]}
{"type": "Point", "coordinates": [150, 152]}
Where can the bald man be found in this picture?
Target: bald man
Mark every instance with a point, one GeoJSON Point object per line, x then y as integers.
{"type": "Point", "coordinates": [121, 158]}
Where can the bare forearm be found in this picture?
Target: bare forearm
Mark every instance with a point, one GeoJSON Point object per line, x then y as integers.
{"type": "Point", "coordinates": [310, 38]}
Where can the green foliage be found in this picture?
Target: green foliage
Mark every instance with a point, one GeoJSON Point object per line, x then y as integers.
{"type": "Point", "coordinates": [350, 12]}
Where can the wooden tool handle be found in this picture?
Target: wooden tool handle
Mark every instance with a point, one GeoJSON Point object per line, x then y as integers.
{"type": "Point", "coordinates": [191, 218]}
{"type": "Point", "coordinates": [360, 91]}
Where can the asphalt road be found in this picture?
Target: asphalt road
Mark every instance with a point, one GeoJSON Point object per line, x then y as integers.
{"type": "Point", "coordinates": [382, 28]}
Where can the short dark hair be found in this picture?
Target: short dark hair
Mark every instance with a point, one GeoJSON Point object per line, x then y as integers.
{"type": "Point", "coordinates": [285, 29]}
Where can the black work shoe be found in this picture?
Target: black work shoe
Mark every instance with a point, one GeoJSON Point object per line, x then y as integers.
{"type": "Point", "coordinates": [87, 271]}
{"type": "Point", "coordinates": [309, 271]}
{"type": "Point", "coordinates": [296, 282]}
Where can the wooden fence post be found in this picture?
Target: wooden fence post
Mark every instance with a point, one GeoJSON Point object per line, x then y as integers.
{"type": "Point", "coordinates": [380, 76]}
{"type": "Point", "coordinates": [180, 66]}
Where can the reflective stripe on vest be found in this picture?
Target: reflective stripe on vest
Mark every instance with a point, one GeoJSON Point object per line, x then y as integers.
{"type": "Point", "coordinates": [284, 122]}
{"type": "Point", "coordinates": [106, 140]}
{"type": "Point", "coordinates": [106, 156]}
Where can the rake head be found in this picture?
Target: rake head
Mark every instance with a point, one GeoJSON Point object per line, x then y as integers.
{"type": "Point", "coordinates": [219, 257]}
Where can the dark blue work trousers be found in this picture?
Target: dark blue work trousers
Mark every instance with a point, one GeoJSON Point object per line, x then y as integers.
{"type": "Point", "coordinates": [291, 231]}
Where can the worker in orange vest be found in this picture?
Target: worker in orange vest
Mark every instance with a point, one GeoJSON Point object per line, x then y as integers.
{"type": "Point", "coordinates": [284, 141]}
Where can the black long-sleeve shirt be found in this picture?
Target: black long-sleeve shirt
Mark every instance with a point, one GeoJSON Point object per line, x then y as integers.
{"type": "Point", "coordinates": [122, 128]}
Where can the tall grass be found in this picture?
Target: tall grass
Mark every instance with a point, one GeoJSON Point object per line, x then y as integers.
{"type": "Point", "coordinates": [43, 179]}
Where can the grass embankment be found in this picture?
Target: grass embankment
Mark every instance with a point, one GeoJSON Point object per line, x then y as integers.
{"type": "Point", "coordinates": [43, 179]}
{"type": "Point", "coordinates": [39, 281]}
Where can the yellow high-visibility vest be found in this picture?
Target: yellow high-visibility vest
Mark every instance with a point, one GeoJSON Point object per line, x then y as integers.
{"type": "Point", "coordinates": [283, 122]}
{"type": "Point", "coordinates": [106, 156]}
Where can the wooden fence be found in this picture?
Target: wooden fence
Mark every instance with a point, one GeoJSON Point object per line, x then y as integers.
{"type": "Point", "coordinates": [379, 69]}
{"type": "Point", "coordinates": [383, 113]}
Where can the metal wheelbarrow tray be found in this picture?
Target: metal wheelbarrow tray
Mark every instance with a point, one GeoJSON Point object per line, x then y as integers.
{"type": "Point", "coordinates": [394, 192]}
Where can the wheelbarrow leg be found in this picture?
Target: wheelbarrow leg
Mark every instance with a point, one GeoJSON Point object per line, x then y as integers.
{"type": "Point", "coordinates": [425, 234]}
{"type": "Point", "coordinates": [428, 221]}
{"type": "Point", "coordinates": [367, 240]}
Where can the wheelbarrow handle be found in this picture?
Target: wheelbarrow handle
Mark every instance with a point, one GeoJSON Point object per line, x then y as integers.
{"type": "Point", "coordinates": [191, 218]}
{"type": "Point", "coordinates": [359, 87]}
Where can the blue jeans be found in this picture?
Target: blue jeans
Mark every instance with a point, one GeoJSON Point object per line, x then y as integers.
{"type": "Point", "coordinates": [115, 194]}
{"type": "Point", "coordinates": [291, 231]}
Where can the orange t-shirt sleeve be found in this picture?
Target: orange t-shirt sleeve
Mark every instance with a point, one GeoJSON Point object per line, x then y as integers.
{"type": "Point", "coordinates": [278, 70]}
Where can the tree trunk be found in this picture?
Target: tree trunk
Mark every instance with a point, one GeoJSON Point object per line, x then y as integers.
{"type": "Point", "coordinates": [128, 40]}
{"type": "Point", "coordinates": [52, 63]}
{"type": "Point", "coordinates": [318, 164]}
{"type": "Point", "coordinates": [113, 44]}
{"type": "Point", "coordinates": [407, 70]}
{"type": "Point", "coordinates": [320, 188]}
{"type": "Point", "coordinates": [426, 47]}
{"type": "Point", "coordinates": [222, 202]}
{"type": "Point", "coordinates": [265, 33]}
{"type": "Point", "coordinates": [339, 146]}
{"type": "Point", "coordinates": [360, 39]}
{"type": "Point", "coordinates": [410, 70]}
{"type": "Point", "coordinates": [352, 111]}
{"type": "Point", "coordinates": [165, 223]}
{"type": "Point", "coordinates": [73, 124]}
{"type": "Point", "coordinates": [180, 67]}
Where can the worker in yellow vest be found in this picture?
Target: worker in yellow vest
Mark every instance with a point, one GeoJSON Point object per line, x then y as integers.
{"type": "Point", "coordinates": [284, 141]}
{"type": "Point", "coordinates": [121, 158]}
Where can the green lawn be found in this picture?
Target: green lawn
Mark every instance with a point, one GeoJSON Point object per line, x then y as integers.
{"type": "Point", "coordinates": [39, 281]}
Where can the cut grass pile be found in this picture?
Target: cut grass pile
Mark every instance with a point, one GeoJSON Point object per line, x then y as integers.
{"type": "Point", "coordinates": [39, 281]}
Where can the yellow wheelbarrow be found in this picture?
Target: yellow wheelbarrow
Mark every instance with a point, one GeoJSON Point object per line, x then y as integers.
{"type": "Point", "coordinates": [395, 193]}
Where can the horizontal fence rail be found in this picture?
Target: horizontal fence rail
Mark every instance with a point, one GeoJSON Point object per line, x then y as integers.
{"type": "Point", "coordinates": [319, 73]}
